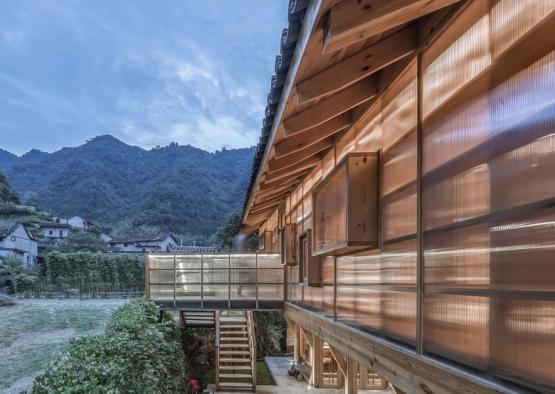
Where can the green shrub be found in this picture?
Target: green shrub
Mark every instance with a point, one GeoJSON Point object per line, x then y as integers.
{"type": "Point", "coordinates": [136, 355]}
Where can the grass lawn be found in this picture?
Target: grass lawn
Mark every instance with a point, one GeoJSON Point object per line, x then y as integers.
{"type": "Point", "coordinates": [263, 376]}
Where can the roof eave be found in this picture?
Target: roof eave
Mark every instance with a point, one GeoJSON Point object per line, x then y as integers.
{"type": "Point", "coordinates": [308, 25]}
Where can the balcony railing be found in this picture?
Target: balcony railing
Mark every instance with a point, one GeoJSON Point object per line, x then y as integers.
{"type": "Point", "coordinates": [215, 281]}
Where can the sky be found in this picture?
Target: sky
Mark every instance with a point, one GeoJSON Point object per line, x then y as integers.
{"type": "Point", "coordinates": [148, 72]}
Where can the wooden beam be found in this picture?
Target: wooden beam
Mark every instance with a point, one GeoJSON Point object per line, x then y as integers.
{"type": "Point", "coordinates": [351, 21]}
{"type": "Point", "coordinates": [398, 365]}
{"type": "Point", "coordinates": [255, 209]}
{"type": "Point", "coordinates": [287, 177]}
{"type": "Point", "coordinates": [302, 154]}
{"type": "Point", "coordinates": [299, 167]}
{"type": "Point", "coordinates": [360, 65]}
{"type": "Point", "coordinates": [272, 186]}
{"type": "Point", "coordinates": [340, 359]}
{"type": "Point", "coordinates": [303, 139]}
{"type": "Point", "coordinates": [332, 106]}
{"type": "Point", "coordinates": [363, 377]}
{"type": "Point", "coordinates": [277, 191]}
{"type": "Point", "coordinates": [274, 197]}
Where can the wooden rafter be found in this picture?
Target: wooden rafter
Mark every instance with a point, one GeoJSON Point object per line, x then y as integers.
{"type": "Point", "coordinates": [302, 154]}
{"type": "Point", "coordinates": [351, 21]}
{"type": "Point", "coordinates": [331, 106]}
{"type": "Point", "coordinates": [308, 137]}
{"type": "Point", "coordinates": [298, 168]}
{"type": "Point", "coordinates": [286, 178]}
{"type": "Point", "coordinates": [360, 65]}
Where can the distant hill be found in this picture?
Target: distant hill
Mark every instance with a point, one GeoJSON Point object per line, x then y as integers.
{"type": "Point", "coordinates": [7, 195]}
{"type": "Point", "coordinates": [179, 189]}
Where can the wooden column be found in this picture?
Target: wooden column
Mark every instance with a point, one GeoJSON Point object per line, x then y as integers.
{"type": "Point", "coordinates": [296, 343]}
{"type": "Point", "coordinates": [317, 361]}
{"type": "Point", "coordinates": [362, 377]}
{"type": "Point", "coordinates": [351, 386]}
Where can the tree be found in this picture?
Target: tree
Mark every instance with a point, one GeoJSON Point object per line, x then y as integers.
{"type": "Point", "coordinates": [229, 235]}
{"type": "Point", "coordinates": [7, 195]}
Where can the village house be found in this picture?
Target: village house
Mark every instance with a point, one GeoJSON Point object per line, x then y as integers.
{"type": "Point", "coordinates": [55, 231]}
{"type": "Point", "coordinates": [79, 222]}
{"type": "Point", "coordinates": [160, 244]}
{"type": "Point", "coordinates": [16, 241]}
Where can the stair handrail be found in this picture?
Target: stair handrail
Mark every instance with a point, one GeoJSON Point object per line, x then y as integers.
{"type": "Point", "coordinates": [252, 347]}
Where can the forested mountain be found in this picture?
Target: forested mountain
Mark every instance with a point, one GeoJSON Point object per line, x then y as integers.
{"type": "Point", "coordinates": [179, 189]}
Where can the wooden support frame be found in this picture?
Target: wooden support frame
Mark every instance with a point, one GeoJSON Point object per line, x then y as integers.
{"type": "Point", "coordinates": [305, 138]}
{"type": "Point", "coordinates": [309, 151]}
{"type": "Point", "coordinates": [351, 21]}
{"type": "Point", "coordinates": [359, 65]}
{"type": "Point", "coordinates": [332, 106]}
{"type": "Point", "coordinates": [401, 367]}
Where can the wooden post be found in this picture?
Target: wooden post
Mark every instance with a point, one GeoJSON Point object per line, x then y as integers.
{"type": "Point", "coordinates": [217, 344]}
{"type": "Point", "coordinates": [296, 343]}
{"type": "Point", "coordinates": [362, 377]}
{"type": "Point", "coordinates": [351, 377]}
{"type": "Point", "coordinates": [317, 361]}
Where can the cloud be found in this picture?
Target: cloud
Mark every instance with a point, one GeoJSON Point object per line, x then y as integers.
{"type": "Point", "coordinates": [147, 73]}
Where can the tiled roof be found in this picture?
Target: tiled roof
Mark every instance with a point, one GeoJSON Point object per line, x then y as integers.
{"type": "Point", "coordinates": [289, 35]}
{"type": "Point", "coordinates": [194, 249]}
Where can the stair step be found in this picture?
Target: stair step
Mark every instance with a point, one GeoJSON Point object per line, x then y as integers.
{"type": "Point", "coordinates": [234, 345]}
{"type": "Point", "coordinates": [235, 376]}
{"type": "Point", "coordinates": [226, 326]}
{"type": "Point", "coordinates": [234, 367]}
{"type": "Point", "coordinates": [235, 360]}
{"type": "Point", "coordinates": [231, 352]}
{"type": "Point", "coordinates": [236, 385]}
{"type": "Point", "coordinates": [229, 339]}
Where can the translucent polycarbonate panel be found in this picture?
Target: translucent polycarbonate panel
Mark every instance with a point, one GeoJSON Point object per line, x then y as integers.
{"type": "Point", "coordinates": [327, 270]}
{"type": "Point", "coordinates": [399, 115]}
{"type": "Point", "coordinates": [312, 297]}
{"type": "Point", "coordinates": [459, 64]}
{"type": "Point", "coordinates": [215, 261]}
{"type": "Point", "coordinates": [399, 164]}
{"type": "Point", "coordinates": [457, 327]}
{"type": "Point", "coordinates": [295, 293]}
{"type": "Point", "coordinates": [245, 276]}
{"type": "Point", "coordinates": [522, 344]}
{"type": "Point", "coordinates": [270, 292]}
{"type": "Point", "coordinates": [399, 315]}
{"type": "Point", "coordinates": [161, 292]}
{"type": "Point", "coordinates": [160, 261]}
{"type": "Point", "coordinates": [187, 292]}
{"type": "Point", "coordinates": [522, 252]}
{"type": "Point", "coordinates": [188, 261]}
{"type": "Point", "coordinates": [161, 276]}
{"type": "Point", "coordinates": [242, 292]}
{"type": "Point", "coordinates": [361, 269]}
{"type": "Point", "coordinates": [327, 300]}
{"type": "Point", "coordinates": [525, 174]}
{"type": "Point", "coordinates": [398, 263]}
{"type": "Point", "coordinates": [463, 196]}
{"type": "Point", "coordinates": [359, 305]}
{"type": "Point", "coordinates": [188, 277]}
{"type": "Point", "coordinates": [458, 258]}
{"type": "Point", "coordinates": [454, 132]}
{"type": "Point", "coordinates": [215, 292]}
{"type": "Point", "coordinates": [243, 261]}
{"type": "Point", "coordinates": [511, 19]}
{"type": "Point", "coordinates": [399, 215]}
{"type": "Point", "coordinates": [269, 260]}
{"type": "Point", "coordinates": [270, 275]}
{"type": "Point", "coordinates": [216, 276]}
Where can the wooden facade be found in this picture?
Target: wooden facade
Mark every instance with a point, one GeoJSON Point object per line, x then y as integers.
{"type": "Point", "coordinates": [455, 291]}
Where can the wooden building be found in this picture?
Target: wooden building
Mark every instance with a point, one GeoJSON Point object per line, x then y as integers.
{"type": "Point", "coordinates": [406, 174]}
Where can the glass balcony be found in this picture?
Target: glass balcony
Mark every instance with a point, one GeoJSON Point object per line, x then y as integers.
{"type": "Point", "coordinates": [215, 281]}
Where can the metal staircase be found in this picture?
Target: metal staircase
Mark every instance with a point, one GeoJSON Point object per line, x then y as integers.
{"type": "Point", "coordinates": [236, 356]}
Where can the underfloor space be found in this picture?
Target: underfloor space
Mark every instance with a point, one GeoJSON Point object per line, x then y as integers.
{"type": "Point", "coordinates": [286, 384]}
